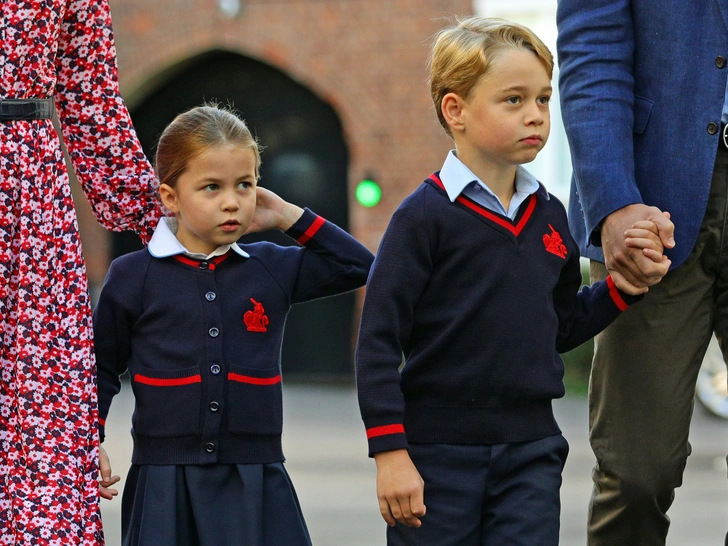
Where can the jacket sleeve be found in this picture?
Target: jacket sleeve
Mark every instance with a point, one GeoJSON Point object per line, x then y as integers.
{"type": "Point", "coordinates": [595, 51]}
{"type": "Point", "coordinates": [584, 313]}
{"type": "Point", "coordinates": [118, 308]}
{"type": "Point", "coordinates": [108, 160]}
{"type": "Point", "coordinates": [331, 260]}
{"type": "Point", "coordinates": [401, 271]}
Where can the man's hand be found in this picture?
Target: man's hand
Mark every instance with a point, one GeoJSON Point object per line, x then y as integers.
{"type": "Point", "coordinates": [400, 488]}
{"type": "Point", "coordinates": [106, 480]}
{"type": "Point", "coordinates": [632, 271]}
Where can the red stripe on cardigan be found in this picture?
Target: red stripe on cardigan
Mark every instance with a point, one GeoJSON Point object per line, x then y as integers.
{"type": "Point", "coordinates": [156, 382]}
{"type": "Point", "coordinates": [311, 231]}
{"type": "Point", "coordinates": [472, 205]}
{"type": "Point", "coordinates": [615, 295]}
{"type": "Point", "coordinates": [384, 430]}
{"type": "Point", "coordinates": [254, 380]}
{"type": "Point", "coordinates": [212, 262]}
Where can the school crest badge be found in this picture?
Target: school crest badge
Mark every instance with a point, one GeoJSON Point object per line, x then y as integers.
{"type": "Point", "coordinates": [256, 319]}
{"type": "Point", "coordinates": [554, 243]}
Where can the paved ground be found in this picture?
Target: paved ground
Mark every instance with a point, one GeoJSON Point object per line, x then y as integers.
{"type": "Point", "coordinates": [326, 450]}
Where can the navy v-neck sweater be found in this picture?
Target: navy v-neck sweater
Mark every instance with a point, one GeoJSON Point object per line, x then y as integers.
{"type": "Point", "coordinates": [480, 307]}
{"type": "Point", "coordinates": [201, 340]}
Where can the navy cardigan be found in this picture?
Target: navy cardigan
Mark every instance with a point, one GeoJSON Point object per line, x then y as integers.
{"type": "Point", "coordinates": [480, 306]}
{"type": "Point", "coordinates": [202, 341]}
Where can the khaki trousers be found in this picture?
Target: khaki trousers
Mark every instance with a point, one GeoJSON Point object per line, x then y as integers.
{"type": "Point", "coordinates": [642, 384]}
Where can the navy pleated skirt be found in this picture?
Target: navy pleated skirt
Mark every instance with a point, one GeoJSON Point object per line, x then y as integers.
{"type": "Point", "coordinates": [211, 505]}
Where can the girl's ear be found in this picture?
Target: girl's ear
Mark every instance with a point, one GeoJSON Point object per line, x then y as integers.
{"type": "Point", "coordinates": [452, 110]}
{"type": "Point", "coordinates": [169, 198]}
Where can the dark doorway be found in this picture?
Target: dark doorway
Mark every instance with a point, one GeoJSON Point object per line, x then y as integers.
{"type": "Point", "coordinates": [305, 161]}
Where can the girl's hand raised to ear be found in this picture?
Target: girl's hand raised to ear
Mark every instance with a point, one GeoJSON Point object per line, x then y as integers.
{"type": "Point", "coordinates": [272, 212]}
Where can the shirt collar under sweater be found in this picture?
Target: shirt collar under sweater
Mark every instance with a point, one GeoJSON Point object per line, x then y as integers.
{"type": "Point", "coordinates": [164, 243]}
{"type": "Point", "coordinates": [456, 176]}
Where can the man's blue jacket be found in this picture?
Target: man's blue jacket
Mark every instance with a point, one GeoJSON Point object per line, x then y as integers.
{"type": "Point", "coordinates": [642, 88]}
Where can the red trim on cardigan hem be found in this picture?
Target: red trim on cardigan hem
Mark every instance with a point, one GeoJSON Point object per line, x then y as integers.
{"type": "Point", "coordinates": [311, 231]}
{"type": "Point", "coordinates": [384, 430]}
{"type": "Point", "coordinates": [254, 380]}
{"type": "Point", "coordinates": [157, 382]}
{"type": "Point", "coordinates": [615, 295]}
{"type": "Point", "coordinates": [472, 205]}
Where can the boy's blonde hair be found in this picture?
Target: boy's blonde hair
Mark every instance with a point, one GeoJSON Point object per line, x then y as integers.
{"type": "Point", "coordinates": [464, 51]}
{"type": "Point", "coordinates": [196, 131]}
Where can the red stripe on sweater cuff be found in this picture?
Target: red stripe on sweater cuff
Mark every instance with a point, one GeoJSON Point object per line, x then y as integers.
{"type": "Point", "coordinates": [615, 295]}
{"type": "Point", "coordinates": [102, 422]}
{"type": "Point", "coordinates": [156, 382]}
{"type": "Point", "coordinates": [254, 380]}
{"type": "Point", "coordinates": [384, 430]}
{"type": "Point", "coordinates": [311, 231]}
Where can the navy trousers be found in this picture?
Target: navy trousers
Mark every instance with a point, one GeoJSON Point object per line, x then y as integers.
{"type": "Point", "coordinates": [496, 495]}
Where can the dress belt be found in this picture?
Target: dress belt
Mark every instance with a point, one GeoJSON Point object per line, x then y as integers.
{"type": "Point", "coordinates": [25, 109]}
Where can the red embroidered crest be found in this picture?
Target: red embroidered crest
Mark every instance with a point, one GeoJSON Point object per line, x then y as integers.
{"type": "Point", "coordinates": [256, 320]}
{"type": "Point", "coordinates": [554, 243]}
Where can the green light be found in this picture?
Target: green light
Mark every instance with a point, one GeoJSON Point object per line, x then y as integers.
{"type": "Point", "coordinates": [368, 193]}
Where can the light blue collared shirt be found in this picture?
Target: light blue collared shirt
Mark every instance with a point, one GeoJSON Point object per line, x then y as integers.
{"type": "Point", "coordinates": [164, 243]}
{"type": "Point", "coordinates": [458, 178]}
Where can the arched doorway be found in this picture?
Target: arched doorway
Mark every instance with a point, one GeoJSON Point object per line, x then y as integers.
{"type": "Point", "coordinates": [305, 161]}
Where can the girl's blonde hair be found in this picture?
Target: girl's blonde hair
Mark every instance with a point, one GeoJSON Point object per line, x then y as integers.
{"type": "Point", "coordinates": [196, 131]}
{"type": "Point", "coordinates": [464, 51]}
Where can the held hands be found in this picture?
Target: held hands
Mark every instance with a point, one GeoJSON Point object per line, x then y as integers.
{"type": "Point", "coordinates": [400, 488]}
{"type": "Point", "coordinates": [106, 479]}
{"type": "Point", "coordinates": [272, 212]}
{"type": "Point", "coordinates": [633, 239]}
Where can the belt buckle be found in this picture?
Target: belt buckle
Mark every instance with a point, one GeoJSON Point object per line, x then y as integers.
{"type": "Point", "coordinates": [725, 135]}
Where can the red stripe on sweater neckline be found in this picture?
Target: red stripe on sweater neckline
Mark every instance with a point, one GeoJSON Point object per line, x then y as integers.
{"type": "Point", "coordinates": [472, 205]}
{"type": "Point", "coordinates": [212, 262]}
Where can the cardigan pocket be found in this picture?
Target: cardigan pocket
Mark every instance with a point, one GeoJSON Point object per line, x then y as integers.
{"type": "Point", "coordinates": [167, 402]}
{"type": "Point", "coordinates": [255, 401]}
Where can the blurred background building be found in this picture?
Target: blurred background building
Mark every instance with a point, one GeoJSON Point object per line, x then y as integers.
{"type": "Point", "coordinates": [335, 90]}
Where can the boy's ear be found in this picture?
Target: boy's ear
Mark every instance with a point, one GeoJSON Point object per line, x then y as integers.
{"type": "Point", "coordinates": [452, 110]}
{"type": "Point", "coordinates": [169, 198]}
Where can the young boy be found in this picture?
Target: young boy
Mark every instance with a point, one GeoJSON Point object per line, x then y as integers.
{"type": "Point", "coordinates": [477, 284]}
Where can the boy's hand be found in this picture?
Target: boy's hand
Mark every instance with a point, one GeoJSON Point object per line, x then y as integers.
{"type": "Point", "coordinates": [644, 235]}
{"type": "Point", "coordinates": [272, 212]}
{"type": "Point", "coordinates": [106, 480]}
{"type": "Point", "coordinates": [400, 488]}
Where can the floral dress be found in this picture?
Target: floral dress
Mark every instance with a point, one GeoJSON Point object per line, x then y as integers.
{"type": "Point", "coordinates": [48, 439]}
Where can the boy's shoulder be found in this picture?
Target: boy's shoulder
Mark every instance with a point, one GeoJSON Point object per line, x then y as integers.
{"type": "Point", "coordinates": [131, 261]}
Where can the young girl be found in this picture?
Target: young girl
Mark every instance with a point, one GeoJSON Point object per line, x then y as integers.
{"type": "Point", "coordinates": [198, 320]}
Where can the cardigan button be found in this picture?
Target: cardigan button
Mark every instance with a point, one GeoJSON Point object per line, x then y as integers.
{"type": "Point", "coordinates": [210, 296]}
{"type": "Point", "coordinates": [215, 369]}
{"type": "Point", "coordinates": [210, 447]}
{"type": "Point", "coordinates": [214, 332]}
{"type": "Point", "coordinates": [720, 61]}
{"type": "Point", "coordinates": [712, 128]}
{"type": "Point", "coordinates": [214, 406]}
{"type": "Point", "coordinates": [204, 265]}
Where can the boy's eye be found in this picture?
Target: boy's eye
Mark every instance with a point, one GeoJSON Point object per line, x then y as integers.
{"type": "Point", "coordinates": [211, 187]}
{"type": "Point", "coordinates": [244, 185]}
{"type": "Point", "coordinates": [513, 100]}
{"type": "Point", "coordinates": [544, 100]}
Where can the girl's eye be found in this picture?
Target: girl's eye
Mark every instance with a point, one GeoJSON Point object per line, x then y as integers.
{"type": "Point", "coordinates": [211, 187]}
{"type": "Point", "coordinates": [513, 100]}
{"type": "Point", "coordinates": [544, 100]}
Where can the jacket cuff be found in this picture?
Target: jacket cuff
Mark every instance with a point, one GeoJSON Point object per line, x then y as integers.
{"type": "Point", "coordinates": [621, 299]}
{"type": "Point", "coordinates": [386, 438]}
{"type": "Point", "coordinates": [307, 228]}
{"type": "Point", "coordinates": [101, 427]}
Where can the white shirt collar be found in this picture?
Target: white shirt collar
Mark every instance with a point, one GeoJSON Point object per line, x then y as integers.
{"type": "Point", "coordinates": [164, 243]}
{"type": "Point", "coordinates": [456, 176]}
